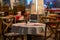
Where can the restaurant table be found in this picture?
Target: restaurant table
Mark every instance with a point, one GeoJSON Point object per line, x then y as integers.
{"type": "Point", "coordinates": [29, 28]}
{"type": "Point", "coordinates": [54, 10]}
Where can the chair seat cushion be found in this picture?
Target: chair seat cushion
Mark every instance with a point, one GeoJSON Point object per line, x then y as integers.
{"type": "Point", "coordinates": [12, 34]}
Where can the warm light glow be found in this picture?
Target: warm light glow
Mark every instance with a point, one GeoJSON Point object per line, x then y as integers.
{"type": "Point", "coordinates": [36, 6]}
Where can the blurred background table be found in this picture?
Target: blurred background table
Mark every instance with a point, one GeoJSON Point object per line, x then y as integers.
{"type": "Point", "coordinates": [29, 29]}
{"type": "Point", "coordinates": [53, 10]}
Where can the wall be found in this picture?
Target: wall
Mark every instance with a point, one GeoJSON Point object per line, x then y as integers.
{"type": "Point", "coordinates": [1, 2]}
{"type": "Point", "coordinates": [40, 7]}
{"type": "Point", "coordinates": [12, 3]}
{"type": "Point", "coordinates": [58, 3]}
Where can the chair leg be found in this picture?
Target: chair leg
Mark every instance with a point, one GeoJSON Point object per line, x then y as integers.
{"type": "Point", "coordinates": [4, 38]}
{"type": "Point", "coordinates": [56, 36]}
{"type": "Point", "coordinates": [15, 38]}
{"type": "Point", "coordinates": [10, 38]}
{"type": "Point", "coordinates": [22, 37]}
{"type": "Point", "coordinates": [59, 35]}
{"type": "Point", "coordinates": [45, 32]}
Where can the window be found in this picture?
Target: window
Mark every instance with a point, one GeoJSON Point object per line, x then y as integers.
{"type": "Point", "coordinates": [28, 3]}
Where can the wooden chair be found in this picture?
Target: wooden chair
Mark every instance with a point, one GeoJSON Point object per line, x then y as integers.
{"type": "Point", "coordinates": [43, 19]}
{"type": "Point", "coordinates": [5, 26]}
{"type": "Point", "coordinates": [19, 8]}
{"type": "Point", "coordinates": [0, 28]}
{"type": "Point", "coordinates": [5, 8]}
{"type": "Point", "coordinates": [58, 28]}
{"type": "Point", "coordinates": [58, 33]}
{"type": "Point", "coordinates": [52, 25]}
